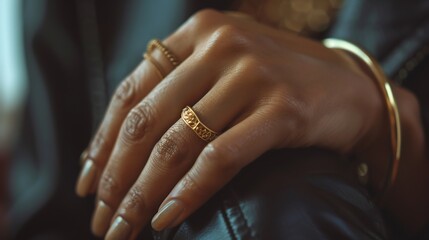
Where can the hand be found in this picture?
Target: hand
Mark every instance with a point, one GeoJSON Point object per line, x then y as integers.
{"type": "Point", "coordinates": [259, 87]}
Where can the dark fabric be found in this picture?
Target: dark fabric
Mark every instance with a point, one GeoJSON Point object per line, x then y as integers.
{"type": "Point", "coordinates": [392, 30]}
{"type": "Point", "coordinates": [419, 83]}
{"type": "Point", "coordinates": [299, 194]}
{"type": "Point", "coordinates": [79, 50]}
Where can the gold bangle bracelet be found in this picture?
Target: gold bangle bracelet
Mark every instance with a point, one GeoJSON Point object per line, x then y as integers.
{"type": "Point", "coordinates": [392, 107]}
{"type": "Point", "coordinates": [156, 43]}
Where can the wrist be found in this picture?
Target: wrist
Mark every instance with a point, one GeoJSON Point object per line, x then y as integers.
{"type": "Point", "coordinates": [373, 148]}
{"type": "Point", "coordinates": [406, 197]}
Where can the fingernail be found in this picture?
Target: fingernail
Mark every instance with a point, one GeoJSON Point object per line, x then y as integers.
{"type": "Point", "coordinates": [101, 219]}
{"type": "Point", "coordinates": [86, 179]}
{"type": "Point", "coordinates": [83, 157]}
{"type": "Point", "coordinates": [167, 215]}
{"type": "Point", "coordinates": [120, 230]}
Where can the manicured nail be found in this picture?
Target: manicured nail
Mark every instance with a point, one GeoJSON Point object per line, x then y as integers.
{"type": "Point", "coordinates": [167, 215]}
{"type": "Point", "coordinates": [83, 157]}
{"type": "Point", "coordinates": [120, 230]}
{"type": "Point", "coordinates": [101, 219]}
{"type": "Point", "coordinates": [86, 179]}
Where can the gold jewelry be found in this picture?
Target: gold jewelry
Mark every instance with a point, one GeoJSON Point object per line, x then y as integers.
{"type": "Point", "coordinates": [158, 67]}
{"type": "Point", "coordinates": [392, 107]}
{"type": "Point", "coordinates": [156, 43]}
{"type": "Point", "coordinates": [191, 119]}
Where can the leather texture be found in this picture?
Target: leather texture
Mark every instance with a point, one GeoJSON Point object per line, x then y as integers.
{"type": "Point", "coordinates": [294, 194]}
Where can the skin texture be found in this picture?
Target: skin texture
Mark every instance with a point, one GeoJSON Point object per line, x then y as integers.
{"type": "Point", "coordinates": [262, 89]}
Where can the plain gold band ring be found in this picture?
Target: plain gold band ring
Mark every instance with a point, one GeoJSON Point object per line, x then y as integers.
{"type": "Point", "coordinates": [156, 43]}
{"type": "Point", "coordinates": [159, 71]}
{"type": "Point", "coordinates": [191, 119]}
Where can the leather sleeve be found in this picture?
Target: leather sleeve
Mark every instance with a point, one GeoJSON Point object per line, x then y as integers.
{"type": "Point", "coordinates": [299, 194]}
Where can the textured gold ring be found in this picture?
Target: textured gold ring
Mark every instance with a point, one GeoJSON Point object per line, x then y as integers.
{"type": "Point", "coordinates": [191, 119]}
{"type": "Point", "coordinates": [156, 43]}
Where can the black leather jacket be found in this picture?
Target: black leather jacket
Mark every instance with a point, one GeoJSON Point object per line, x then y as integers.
{"type": "Point", "coordinates": [79, 50]}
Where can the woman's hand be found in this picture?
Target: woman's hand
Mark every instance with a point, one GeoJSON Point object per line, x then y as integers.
{"type": "Point", "coordinates": [260, 88]}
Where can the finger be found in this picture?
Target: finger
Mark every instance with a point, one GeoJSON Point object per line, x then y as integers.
{"type": "Point", "coordinates": [83, 157]}
{"type": "Point", "coordinates": [175, 153]}
{"type": "Point", "coordinates": [128, 94]}
{"type": "Point", "coordinates": [142, 128]}
{"type": "Point", "coordinates": [217, 164]}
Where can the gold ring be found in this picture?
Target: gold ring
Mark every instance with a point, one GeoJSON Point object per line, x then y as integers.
{"type": "Point", "coordinates": [157, 66]}
{"type": "Point", "coordinates": [156, 43]}
{"type": "Point", "coordinates": [191, 119]}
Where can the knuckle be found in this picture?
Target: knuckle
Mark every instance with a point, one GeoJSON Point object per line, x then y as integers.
{"type": "Point", "coordinates": [109, 187]}
{"type": "Point", "coordinates": [258, 68]}
{"type": "Point", "coordinates": [254, 74]}
{"type": "Point", "coordinates": [223, 158]}
{"type": "Point", "coordinates": [134, 201]}
{"type": "Point", "coordinates": [99, 140]}
{"type": "Point", "coordinates": [227, 40]}
{"type": "Point", "coordinates": [229, 37]}
{"type": "Point", "coordinates": [204, 18]}
{"type": "Point", "coordinates": [138, 122]}
{"type": "Point", "coordinates": [189, 183]}
{"type": "Point", "coordinates": [125, 93]}
{"type": "Point", "coordinates": [171, 149]}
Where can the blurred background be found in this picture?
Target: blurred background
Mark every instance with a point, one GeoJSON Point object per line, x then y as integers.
{"type": "Point", "coordinates": [13, 89]}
